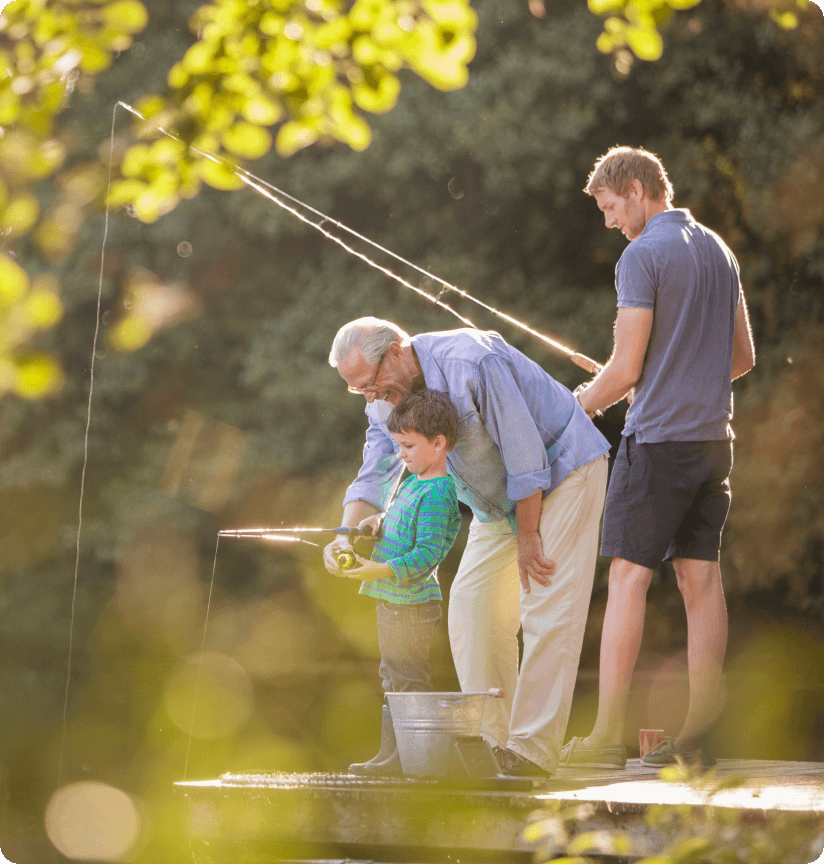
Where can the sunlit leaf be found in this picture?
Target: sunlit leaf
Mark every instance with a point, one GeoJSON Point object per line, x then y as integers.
{"type": "Point", "coordinates": [645, 42]}
{"type": "Point", "coordinates": [262, 111]}
{"type": "Point", "coordinates": [601, 7]}
{"type": "Point", "coordinates": [786, 20]}
{"type": "Point", "coordinates": [9, 103]}
{"type": "Point", "coordinates": [95, 59]}
{"type": "Point", "coordinates": [135, 161]}
{"type": "Point", "coordinates": [43, 308]}
{"type": "Point", "coordinates": [379, 98]}
{"type": "Point", "coordinates": [129, 334]}
{"type": "Point", "coordinates": [20, 214]}
{"type": "Point", "coordinates": [38, 376]}
{"type": "Point", "coordinates": [128, 15]}
{"type": "Point", "coordinates": [125, 192]}
{"type": "Point", "coordinates": [294, 136]}
{"type": "Point", "coordinates": [247, 140]}
{"type": "Point", "coordinates": [355, 132]}
{"type": "Point", "coordinates": [13, 281]}
{"type": "Point", "coordinates": [219, 175]}
{"type": "Point", "coordinates": [151, 106]}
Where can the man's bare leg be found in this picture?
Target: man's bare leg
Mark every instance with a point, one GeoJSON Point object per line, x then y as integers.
{"type": "Point", "coordinates": [700, 584]}
{"type": "Point", "coordinates": [620, 643]}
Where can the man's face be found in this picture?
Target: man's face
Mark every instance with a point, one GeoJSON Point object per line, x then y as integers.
{"type": "Point", "coordinates": [385, 380]}
{"type": "Point", "coordinates": [625, 214]}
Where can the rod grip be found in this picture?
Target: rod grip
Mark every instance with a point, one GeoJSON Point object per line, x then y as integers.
{"type": "Point", "coordinates": [586, 363]}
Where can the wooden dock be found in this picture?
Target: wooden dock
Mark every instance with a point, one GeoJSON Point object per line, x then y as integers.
{"type": "Point", "coordinates": [263, 818]}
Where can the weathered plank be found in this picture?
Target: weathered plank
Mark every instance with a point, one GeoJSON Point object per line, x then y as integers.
{"type": "Point", "coordinates": [268, 817]}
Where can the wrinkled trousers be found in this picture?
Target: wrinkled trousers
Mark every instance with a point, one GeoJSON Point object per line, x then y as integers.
{"type": "Point", "coordinates": [487, 606]}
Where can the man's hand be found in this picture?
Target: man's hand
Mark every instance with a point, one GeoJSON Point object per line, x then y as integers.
{"type": "Point", "coordinates": [532, 562]}
{"type": "Point", "coordinates": [339, 544]}
{"type": "Point", "coordinates": [373, 522]}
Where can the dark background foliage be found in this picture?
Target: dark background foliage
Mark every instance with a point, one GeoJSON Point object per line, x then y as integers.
{"type": "Point", "coordinates": [232, 417]}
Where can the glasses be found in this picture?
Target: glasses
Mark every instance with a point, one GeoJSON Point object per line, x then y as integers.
{"type": "Point", "coordinates": [359, 391]}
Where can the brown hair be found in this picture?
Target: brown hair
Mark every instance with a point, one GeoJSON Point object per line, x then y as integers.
{"type": "Point", "coordinates": [617, 168]}
{"type": "Point", "coordinates": [429, 413]}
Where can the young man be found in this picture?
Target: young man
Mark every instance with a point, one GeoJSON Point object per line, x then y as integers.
{"type": "Point", "coordinates": [681, 336]}
{"type": "Point", "coordinates": [413, 538]}
{"type": "Point", "coordinates": [532, 468]}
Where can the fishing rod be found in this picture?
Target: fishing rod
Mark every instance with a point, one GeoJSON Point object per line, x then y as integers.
{"type": "Point", "coordinates": [275, 533]}
{"type": "Point", "coordinates": [261, 186]}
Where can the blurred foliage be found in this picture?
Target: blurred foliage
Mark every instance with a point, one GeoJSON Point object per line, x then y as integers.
{"type": "Point", "coordinates": [710, 833]}
{"type": "Point", "coordinates": [633, 28]}
{"type": "Point", "coordinates": [233, 418]}
{"type": "Point", "coordinates": [310, 66]}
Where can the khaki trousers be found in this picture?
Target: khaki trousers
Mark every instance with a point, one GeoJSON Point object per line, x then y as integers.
{"type": "Point", "coordinates": [487, 606]}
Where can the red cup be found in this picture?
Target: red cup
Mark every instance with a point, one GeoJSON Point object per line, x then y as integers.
{"type": "Point", "coordinates": [649, 738]}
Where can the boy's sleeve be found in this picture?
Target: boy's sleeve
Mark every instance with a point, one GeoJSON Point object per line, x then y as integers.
{"type": "Point", "coordinates": [437, 524]}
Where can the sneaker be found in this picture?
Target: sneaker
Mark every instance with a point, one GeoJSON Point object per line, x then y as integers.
{"type": "Point", "coordinates": [575, 755]}
{"type": "Point", "coordinates": [514, 765]}
{"type": "Point", "coordinates": [666, 753]}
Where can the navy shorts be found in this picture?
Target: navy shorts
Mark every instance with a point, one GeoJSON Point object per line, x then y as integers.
{"type": "Point", "coordinates": [667, 500]}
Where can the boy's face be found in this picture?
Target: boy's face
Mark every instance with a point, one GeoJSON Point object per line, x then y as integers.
{"type": "Point", "coordinates": [424, 457]}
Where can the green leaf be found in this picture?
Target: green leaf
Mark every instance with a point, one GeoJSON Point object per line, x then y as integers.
{"type": "Point", "coordinates": [129, 16]}
{"type": "Point", "coordinates": [218, 175]}
{"type": "Point", "coordinates": [646, 43]}
{"type": "Point", "coordinates": [95, 59]}
{"type": "Point", "coordinates": [247, 140]}
{"type": "Point", "coordinates": [262, 111]}
{"type": "Point", "coordinates": [43, 308]}
{"type": "Point", "coordinates": [377, 97]}
{"type": "Point", "coordinates": [354, 131]}
{"type": "Point", "coordinates": [294, 136]}
{"type": "Point", "coordinates": [601, 7]}
{"type": "Point", "coordinates": [38, 376]}
{"type": "Point", "coordinates": [20, 214]}
{"type": "Point", "coordinates": [13, 281]}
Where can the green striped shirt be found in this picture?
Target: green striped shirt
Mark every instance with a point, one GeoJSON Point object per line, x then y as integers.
{"type": "Point", "coordinates": [419, 529]}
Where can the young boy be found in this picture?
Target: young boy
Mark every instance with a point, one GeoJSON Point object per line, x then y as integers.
{"type": "Point", "coordinates": [414, 536]}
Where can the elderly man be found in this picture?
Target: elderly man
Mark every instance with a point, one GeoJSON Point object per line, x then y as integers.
{"type": "Point", "coordinates": [682, 336]}
{"type": "Point", "coordinates": [532, 468]}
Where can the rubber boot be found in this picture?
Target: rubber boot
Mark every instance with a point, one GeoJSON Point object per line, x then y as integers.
{"type": "Point", "coordinates": [387, 761]}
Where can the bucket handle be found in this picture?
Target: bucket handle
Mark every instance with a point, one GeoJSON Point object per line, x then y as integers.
{"type": "Point", "coordinates": [494, 692]}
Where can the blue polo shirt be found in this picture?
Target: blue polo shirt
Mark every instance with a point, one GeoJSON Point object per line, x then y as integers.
{"type": "Point", "coordinates": [519, 430]}
{"type": "Point", "coordinates": [686, 274]}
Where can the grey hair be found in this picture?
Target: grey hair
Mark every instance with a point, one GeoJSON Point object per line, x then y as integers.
{"type": "Point", "coordinates": [371, 336]}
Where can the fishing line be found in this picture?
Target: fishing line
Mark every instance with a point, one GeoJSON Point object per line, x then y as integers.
{"type": "Point", "coordinates": [261, 186]}
{"type": "Point", "coordinates": [256, 185]}
{"type": "Point", "coordinates": [200, 665]}
{"type": "Point", "coordinates": [85, 461]}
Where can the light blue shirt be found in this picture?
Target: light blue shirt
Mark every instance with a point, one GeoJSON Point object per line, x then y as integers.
{"type": "Point", "coordinates": [688, 276]}
{"type": "Point", "coordinates": [519, 430]}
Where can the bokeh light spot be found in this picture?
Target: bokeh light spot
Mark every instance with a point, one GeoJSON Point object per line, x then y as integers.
{"type": "Point", "coordinates": [209, 694]}
{"type": "Point", "coordinates": [92, 822]}
{"type": "Point", "coordinates": [184, 249]}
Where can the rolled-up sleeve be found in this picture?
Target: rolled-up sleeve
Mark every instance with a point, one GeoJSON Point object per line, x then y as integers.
{"type": "Point", "coordinates": [509, 421]}
{"type": "Point", "coordinates": [381, 467]}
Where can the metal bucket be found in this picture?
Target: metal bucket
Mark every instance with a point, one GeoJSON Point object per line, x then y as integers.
{"type": "Point", "coordinates": [427, 725]}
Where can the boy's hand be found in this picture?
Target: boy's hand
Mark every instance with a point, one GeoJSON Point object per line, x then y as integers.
{"type": "Point", "coordinates": [339, 544]}
{"type": "Point", "coordinates": [369, 571]}
{"type": "Point", "coordinates": [373, 522]}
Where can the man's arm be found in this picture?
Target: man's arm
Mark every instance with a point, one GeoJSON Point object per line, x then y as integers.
{"type": "Point", "coordinates": [743, 348]}
{"type": "Point", "coordinates": [623, 369]}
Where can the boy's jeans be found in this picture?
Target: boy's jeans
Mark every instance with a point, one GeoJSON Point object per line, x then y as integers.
{"type": "Point", "coordinates": [404, 633]}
